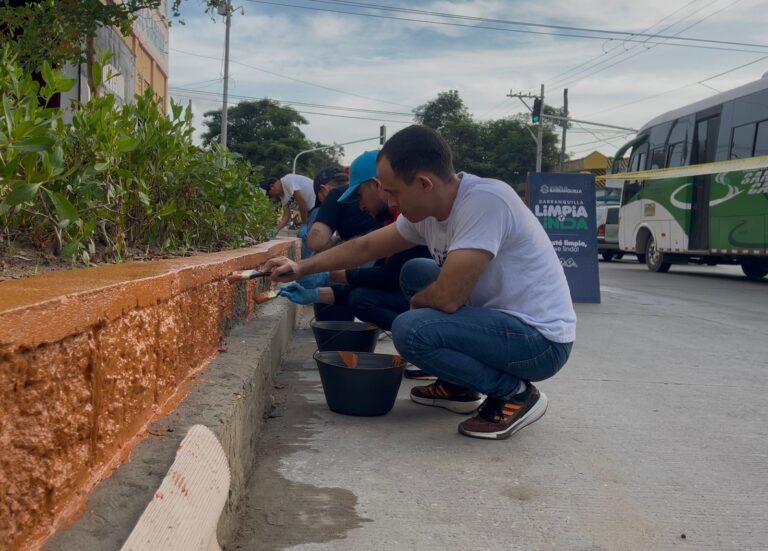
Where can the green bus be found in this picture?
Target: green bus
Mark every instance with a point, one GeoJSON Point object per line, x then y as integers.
{"type": "Point", "coordinates": [696, 186]}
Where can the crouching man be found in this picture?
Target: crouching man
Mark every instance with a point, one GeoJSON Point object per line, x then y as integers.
{"type": "Point", "coordinates": [491, 313]}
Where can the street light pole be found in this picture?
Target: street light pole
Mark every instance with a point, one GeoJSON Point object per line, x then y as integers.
{"type": "Point", "coordinates": [228, 15]}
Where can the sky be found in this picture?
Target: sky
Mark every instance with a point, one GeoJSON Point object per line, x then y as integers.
{"type": "Point", "coordinates": [358, 72]}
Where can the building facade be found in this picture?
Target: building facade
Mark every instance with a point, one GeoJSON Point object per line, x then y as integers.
{"type": "Point", "coordinates": [139, 61]}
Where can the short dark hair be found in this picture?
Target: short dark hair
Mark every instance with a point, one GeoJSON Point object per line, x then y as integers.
{"type": "Point", "coordinates": [418, 148]}
{"type": "Point", "coordinates": [333, 175]}
{"type": "Point", "coordinates": [266, 184]}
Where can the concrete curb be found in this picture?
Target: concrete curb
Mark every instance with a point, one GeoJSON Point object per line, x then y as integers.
{"type": "Point", "coordinates": [230, 398]}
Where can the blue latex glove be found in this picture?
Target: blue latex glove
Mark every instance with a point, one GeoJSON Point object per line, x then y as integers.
{"type": "Point", "coordinates": [313, 281]}
{"type": "Point", "coordinates": [298, 294]}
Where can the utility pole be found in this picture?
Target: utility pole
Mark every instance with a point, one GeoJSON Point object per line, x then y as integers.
{"type": "Point", "coordinates": [565, 130]}
{"type": "Point", "coordinates": [540, 138]}
{"type": "Point", "coordinates": [228, 15]}
{"type": "Point", "coordinates": [537, 114]}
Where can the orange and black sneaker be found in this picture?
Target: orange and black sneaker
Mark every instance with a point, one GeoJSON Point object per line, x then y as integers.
{"type": "Point", "coordinates": [446, 395]}
{"type": "Point", "coordinates": [499, 419]}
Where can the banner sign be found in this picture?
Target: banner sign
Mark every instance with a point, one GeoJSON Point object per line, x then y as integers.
{"type": "Point", "coordinates": [565, 206]}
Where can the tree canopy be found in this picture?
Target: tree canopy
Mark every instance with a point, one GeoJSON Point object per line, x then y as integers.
{"type": "Point", "coordinates": [267, 134]}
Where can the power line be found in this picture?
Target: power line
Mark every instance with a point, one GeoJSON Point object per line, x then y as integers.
{"type": "Point", "coordinates": [446, 15]}
{"type": "Point", "coordinates": [505, 29]}
{"type": "Point", "coordinates": [217, 101]}
{"type": "Point", "coordinates": [554, 78]}
{"type": "Point", "coordinates": [601, 69]}
{"type": "Point", "coordinates": [683, 87]}
{"type": "Point", "coordinates": [292, 102]}
{"type": "Point", "coordinates": [626, 50]}
{"type": "Point", "coordinates": [308, 83]}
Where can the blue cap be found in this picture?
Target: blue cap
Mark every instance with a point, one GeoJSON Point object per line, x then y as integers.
{"type": "Point", "coordinates": [362, 169]}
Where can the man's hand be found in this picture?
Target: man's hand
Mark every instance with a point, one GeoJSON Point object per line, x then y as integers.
{"type": "Point", "coordinates": [298, 294]}
{"type": "Point", "coordinates": [283, 269]}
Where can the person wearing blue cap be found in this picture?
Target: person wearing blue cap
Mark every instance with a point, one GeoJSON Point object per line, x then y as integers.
{"type": "Point", "coordinates": [337, 221]}
{"type": "Point", "coordinates": [491, 312]}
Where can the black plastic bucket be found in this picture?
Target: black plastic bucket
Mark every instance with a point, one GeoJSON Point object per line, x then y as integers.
{"type": "Point", "coordinates": [360, 383]}
{"type": "Point", "coordinates": [345, 335]}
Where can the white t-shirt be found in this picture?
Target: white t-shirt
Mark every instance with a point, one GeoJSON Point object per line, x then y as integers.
{"type": "Point", "coordinates": [295, 182]}
{"type": "Point", "coordinates": [524, 278]}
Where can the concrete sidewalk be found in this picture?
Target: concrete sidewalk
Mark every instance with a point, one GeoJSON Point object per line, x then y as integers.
{"type": "Point", "coordinates": [647, 444]}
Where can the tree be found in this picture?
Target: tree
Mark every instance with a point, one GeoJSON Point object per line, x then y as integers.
{"type": "Point", "coordinates": [64, 31]}
{"type": "Point", "coordinates": [268, 135]}
{"type": "Point", "coordinates": [448, 107]}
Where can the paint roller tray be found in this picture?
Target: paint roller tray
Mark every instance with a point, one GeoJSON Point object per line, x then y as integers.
{"type": "Point", "coordinates": [360, 383]}
{"type": "Point", "coordinates": [345, 335]}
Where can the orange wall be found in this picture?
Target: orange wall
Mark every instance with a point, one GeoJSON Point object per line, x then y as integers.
{"type": "Point", "coordinates": [88, 357]}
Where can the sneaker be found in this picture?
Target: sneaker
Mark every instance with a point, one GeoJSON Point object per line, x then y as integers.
{"type": "Point", "coordinates": [442, 395]}
{"type": "Point", "coordinates": [499, 419]}
{"type": "Point", "coordinates": [416, 374]}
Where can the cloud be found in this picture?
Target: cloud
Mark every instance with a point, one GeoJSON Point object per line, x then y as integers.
{"type": "Point", "coordinates": [410, 63]}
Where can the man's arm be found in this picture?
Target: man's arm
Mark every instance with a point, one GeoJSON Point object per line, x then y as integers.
{"type": "Point", "coordinates": [378, 244]}
{"type": "Point", "coordinates": [303, 208]}
{"type": "Point", "coordinates": [458, 276]}
{"type": "Point", "coordinates": [285, 217]}
{"type": "Point", "coordinates": [319, 238]}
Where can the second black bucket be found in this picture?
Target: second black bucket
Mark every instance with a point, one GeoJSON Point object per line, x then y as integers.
{"type": "Point", "coordinates": [359, 383]}
{"type": "Point", "coordinates": [345, 335]}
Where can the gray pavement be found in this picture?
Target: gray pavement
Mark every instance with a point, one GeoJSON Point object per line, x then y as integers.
{"type": "Point", "coordinates": [655, 438]}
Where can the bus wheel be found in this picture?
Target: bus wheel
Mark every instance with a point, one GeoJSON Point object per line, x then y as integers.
{"type": "Point", "coordinates": [607, 256]}
{"type": "Point", "coordinates": [654, 258]}
{"type": "Point", "coordinates": [753, 270]}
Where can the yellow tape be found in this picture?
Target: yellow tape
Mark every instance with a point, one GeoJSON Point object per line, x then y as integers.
{"type": "Point", "coordinates": [753, 163]}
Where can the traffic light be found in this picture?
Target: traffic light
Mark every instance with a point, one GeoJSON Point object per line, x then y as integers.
{"type": "Point", "coordinates": [536, 113]}
{"type": "Point", "coordinates": [382, 134]}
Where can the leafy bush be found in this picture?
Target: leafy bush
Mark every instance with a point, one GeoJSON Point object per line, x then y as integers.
{"type": "Point", "coordinates": [118, 177]}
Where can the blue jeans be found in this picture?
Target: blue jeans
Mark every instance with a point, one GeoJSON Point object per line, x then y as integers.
{"type": "Point", "coordinates": [378, 306]}
{"type": "Point", "coordinates": [477, 348]}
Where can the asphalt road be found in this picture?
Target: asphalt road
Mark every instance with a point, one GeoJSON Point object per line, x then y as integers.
{"type": "Point", "coordinates": [656, 437]}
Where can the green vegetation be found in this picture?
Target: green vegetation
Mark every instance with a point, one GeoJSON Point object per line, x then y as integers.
{"type": "Point", "coordinates": [267, 134]}
{"type": "Point", "coordinates": [117, 178]}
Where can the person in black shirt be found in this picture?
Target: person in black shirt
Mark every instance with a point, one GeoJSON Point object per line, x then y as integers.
{"type": "Point", "coordinates": [346, 219]}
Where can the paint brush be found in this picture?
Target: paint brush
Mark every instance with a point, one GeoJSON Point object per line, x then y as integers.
{"type": "Point", "coordinates": [242, 275]}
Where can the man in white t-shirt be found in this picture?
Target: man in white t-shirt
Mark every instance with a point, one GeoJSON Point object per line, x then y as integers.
{"type": "Point", "coordinates": [291, 186]}
{"type": "Point", "coordinates": [491, 313]}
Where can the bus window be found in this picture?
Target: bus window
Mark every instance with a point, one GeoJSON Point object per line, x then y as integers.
{"type": "Point", "coordinates": [743, 141]}
{"type": "Point", "coordinates": [676, 154]}
{"type": "Point", "coordinates": [641, 160]}
{"type": "Point", "coordinates": [676, 144]}
{"type": "Point", "coordinates": [631, 189]}
{"type": "Point", "coordinates": [761, 139]}
{"type": "Point", "coordinates": [637, 160]}
{"type": "Point", "coordinates": [658, 157]}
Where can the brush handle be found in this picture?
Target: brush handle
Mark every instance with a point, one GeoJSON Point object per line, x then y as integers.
{"type": "Point", "coordinates": [250, 274]}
